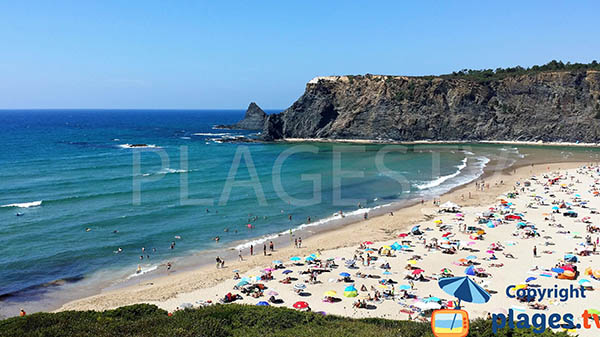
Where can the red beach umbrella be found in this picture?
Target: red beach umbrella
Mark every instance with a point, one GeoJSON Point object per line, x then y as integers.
{"type": "Point", "coordinates": [300, 305]}
{"type": "Point", "coordinates": [417, 271]}
{"type": "Point", "coordinates": [403, 235]}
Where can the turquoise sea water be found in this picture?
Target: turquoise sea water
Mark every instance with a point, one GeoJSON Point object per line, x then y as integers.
{"type": "Point", "coordinates": [72, 179]}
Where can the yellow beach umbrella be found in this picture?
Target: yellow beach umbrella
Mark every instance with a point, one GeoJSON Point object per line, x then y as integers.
{"type": "Point", "coordinates": [437, 221]}
{"type": "Point", "coordinates": [386, 247]}
{"type": "Point", "coordinates": [330, 293]}
{"type": "Point", "coordinates": [412, 262]}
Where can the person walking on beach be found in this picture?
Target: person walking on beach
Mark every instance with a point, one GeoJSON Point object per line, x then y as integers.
{"type": "Point", "coordinates": [265, 249]}
{"type": "Point", "coordinates": [240, 255]}
{"type": "Point", "coordinates": [296, 243]}
{"type": "Point", "coordinates": [251, 250]}
{"type": "Point", "coordinates": [271, 246]}
{"type": "Point", "coordinates": [299, 242]}
{"type": "Point", "coordinates": [534, 251]}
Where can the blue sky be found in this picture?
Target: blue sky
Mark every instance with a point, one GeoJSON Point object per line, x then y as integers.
{"type": "Point", "coordinates": [194, 54]}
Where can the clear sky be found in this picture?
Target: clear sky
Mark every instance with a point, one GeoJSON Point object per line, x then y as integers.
{"type": "Point", "coordinates": [224, 54]}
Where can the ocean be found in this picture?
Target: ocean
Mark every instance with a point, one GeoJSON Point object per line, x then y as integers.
{"type": "Point", "coordinates": [83, 191]}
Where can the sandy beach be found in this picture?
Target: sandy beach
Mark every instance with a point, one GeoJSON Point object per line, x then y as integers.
{"type": "Point", "coordinates": [209, 284]}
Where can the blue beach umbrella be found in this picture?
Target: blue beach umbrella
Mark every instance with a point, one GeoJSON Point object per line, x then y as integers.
{"type": "Point", "coordinates": [470, 270]}
{"type": "Point", "coordinates": [350, 288]}
{"type": "Point", "coordinates": [432, 299]}
{"type": "Point", "coordinates": [555, 208]}
{"type": "Point", "coordinates": [263, 303]}
{"type": "Point", "coordinates": [529, 279]}
{"type": "Point", "coordinates": [287, 271]}
{"type": "Point", "coordinates": [344, 274]}
{"type": "Point", "coordinates": [471, 257]}
{"type": "Point", "coordinates": [294, 258]}
{"type": "Point", "coordinates": [404, 287]}
{"type": "Point", "coordinates": [387, 272]}
{"type": "Point", "coordinates": [276, 262]}
{"type": "Point", "coordinates": [309, 258]}
{"type": "Point", "coordinates": [242, 283]}
{"type": "Point", "coordinates": [415, 228]}
{"type": "Point", "coordinates": [464, 289]}
{"type": "Point", "coordinates": [558, 270]}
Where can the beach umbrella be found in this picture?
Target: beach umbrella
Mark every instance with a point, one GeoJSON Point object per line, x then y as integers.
{"type": "Point", "coordinates": [490, 251]}
{"type": "Point", "coordinates": [287, 271]}
{"type": "Point", "coordinates": [350, 262]}
{"type": "Point", "coordinates": [299, 286]}
{"type": "Point", "coordinates": [396, 246]}
{"type": "Point", "coordinates": [584, 281]}
{"type": "Point", "coordinates": [558, 270]}
{"type": "Point", "coordinates": [446, 234]}
{"type": "Point", "coordinates": [387, 272]}
{"type": "Point", "coordinates": [402, 235]}
{"type": "Point", "coordinates": [464, 289]}
{"type": "Point", "coordinates": [350, 291]}
{"type": "Point", "coordinates": [404, 287]}
{"type": "Point", "coordinates": [268, 270]}
{"type": "Point", "coordinates": [272, 293]}
{"type": "Point", "coordinates": [411, 262]}
{"type": "Point", "coordinates": [415, 228]}
{"type": "Point", "coordinates": [470, 270]}
{"type": "Point", "coordinates": [437, 222]}
{"type": "Point", "coordinates": [295, 258]}
{"type": "Point", "coordinates": [470, 243]}
{"type": "Point", "coordinates": [300, 305]}
{"type": "Point", "coordinates": [242, 283]}
{"type": "Point", "coordinates": [529, 279]}
{"type": "Point", "coordinates": [555, 208]}
{"type": "Point", "coordinates": [263, 303]}
{"type": "Point", "coordinates": [471, 257]}
{"type": "Point", "coordinates": [309, 258]}
{"type": "Point", "coordinates": [330, 293]}
{"type": "Point", "coordinates": [344, 274]}
{"type": "Point", "coordinates": [277, 262]}
{"type": "Point", "coordinates": [368, 243]}
{"type": "Point", "coordinates": [432, 299]}
{"type": "Point", "coordinates": [417, 271]}
{"type": "Point", "coordinates": [597, 274]}
{"type": "Point", "coordinates": [386, 247]}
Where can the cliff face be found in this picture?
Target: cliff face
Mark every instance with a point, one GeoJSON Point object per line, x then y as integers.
{"type": "Point", "coordinates": [548, 106]}
{"type": "Point", "coordinates": [254, 119]}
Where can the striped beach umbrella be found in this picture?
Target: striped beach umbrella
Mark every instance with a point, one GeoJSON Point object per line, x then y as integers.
{"type": "Point", "coordinates": [464, 289]}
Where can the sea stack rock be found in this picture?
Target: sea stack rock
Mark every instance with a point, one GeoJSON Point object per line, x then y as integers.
{"type": "Point", "coordinates": [254, 119]}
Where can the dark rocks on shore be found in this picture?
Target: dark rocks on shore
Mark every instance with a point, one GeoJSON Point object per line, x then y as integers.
{"type": "Point", "coordinates": [254, 119]}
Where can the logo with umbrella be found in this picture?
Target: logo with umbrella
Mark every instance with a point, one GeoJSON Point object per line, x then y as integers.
{"type": "Point", "coordinates": [455, 322]}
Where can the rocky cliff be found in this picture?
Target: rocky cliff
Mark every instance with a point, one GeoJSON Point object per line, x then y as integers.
{"type": "Point", "coordinates": [548, 106]}
{"type": "Point", "coordinates": [254, 119]}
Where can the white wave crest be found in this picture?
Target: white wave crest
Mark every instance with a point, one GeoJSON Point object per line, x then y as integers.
{"type": "Point", "coordinates": [25, 204]}
{"type": "Point", "coordinates": [138, 146]}
{"type": "Point", "coordinates": [442, 179]}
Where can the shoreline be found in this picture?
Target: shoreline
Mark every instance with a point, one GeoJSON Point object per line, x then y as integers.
{"type": "Point", "coordinates": [435, 142]}
{"type": "Point", "coordinates": [161, 288]}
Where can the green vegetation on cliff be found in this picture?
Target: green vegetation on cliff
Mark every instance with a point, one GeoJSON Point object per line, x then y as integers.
{"type": "Point", "coordinates": [222, 320]}
{"type": "Point", "coordinates": [484, 75]}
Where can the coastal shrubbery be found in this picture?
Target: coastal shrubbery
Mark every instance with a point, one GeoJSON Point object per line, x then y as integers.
{"type": "Point", "coordinates": [484, 75]}
{"type": "Point", "coordinates": [222, 320]}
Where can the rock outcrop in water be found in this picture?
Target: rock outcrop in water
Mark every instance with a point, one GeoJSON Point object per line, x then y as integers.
{"type": "Point", "coordinates": [254, 119]}
{"type": "Point", "coordinates": [546, 106]}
